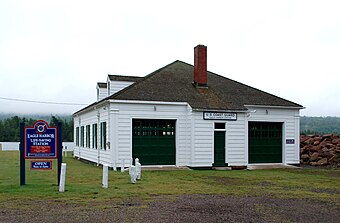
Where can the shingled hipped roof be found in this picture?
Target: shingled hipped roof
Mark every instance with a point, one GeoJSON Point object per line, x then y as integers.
{"type": "Point", "coordinates": [173, 83]}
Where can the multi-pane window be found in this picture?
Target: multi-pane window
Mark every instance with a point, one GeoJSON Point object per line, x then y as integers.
{"type": "Point", "coordinates": [77, 136]}
{"type": "Point", "coordinates": [103, 135]}
{"type": "Point", "coordinates": [88, 136]}
{"type": "Point", "coordinates": [94, 136]}
{"type": "Point", "coordinates": [146, 127]}
{"type": "Point", "coordinates": [82, 136]}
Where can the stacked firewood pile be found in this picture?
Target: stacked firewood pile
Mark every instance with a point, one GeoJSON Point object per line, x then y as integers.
{"type": "Point", "coordinates": [320, 150]}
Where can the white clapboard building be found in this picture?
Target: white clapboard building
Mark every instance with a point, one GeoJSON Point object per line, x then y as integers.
{"type": "Point", "coordinates": [184, 115]}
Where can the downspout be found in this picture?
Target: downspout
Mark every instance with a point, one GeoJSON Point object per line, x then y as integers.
{"type": "Point", "coordinates": [98, 136]}
{"type": "Point", "coordinates": [108, 138]}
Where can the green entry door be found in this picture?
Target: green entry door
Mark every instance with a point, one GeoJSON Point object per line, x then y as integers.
{"type": "Point", "coordinates": [265, 142]}
{"type": "Point", "coordinates": [153, 141]}
{"type": "Point", "coordinates": [219, 148]}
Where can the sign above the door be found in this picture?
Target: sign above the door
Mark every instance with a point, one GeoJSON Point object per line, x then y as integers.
{"type": "Point", "coordinates": [229, 116]}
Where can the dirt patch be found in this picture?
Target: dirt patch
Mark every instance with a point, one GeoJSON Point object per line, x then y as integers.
{"type": "Point", "coordinates": [63, 212]}
{"type": "Point", "coordinates": [326, 191]}
{"type": "Point", "coordinates": [183, 208]}
{"type": "Point", "coordinates": [220, 208]}
{"type": "Point", "coordinates": [227, 181]}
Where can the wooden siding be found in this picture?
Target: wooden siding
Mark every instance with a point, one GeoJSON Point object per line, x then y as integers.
{"type": "Point", "coordinates": [116, 86]}
{"type": "Point", "coordinates": [203, 141]}
{"type": "Point", "coordinates": [101, 156]}
{"type": "Point", "coordinates": [101, 93]}
{"type": "Point", "coordinates": [194, 136]}
{"type": "Point", "coordinates": [291, 128]}
{"type": "Point", "coordinates": [124, 113]}
{"type": "Point", "coordinates": [236, 141]}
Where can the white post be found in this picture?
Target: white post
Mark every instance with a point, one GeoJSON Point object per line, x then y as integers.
{"type": "Point", "coordinates": [105, 176]}
{"type": "Point", "coordinates": [62, 178]}
{"type": "Point", "coordinates": [65, 151]}
{"type": "Point", "coordinates": [123, 166]}
{"type": "Point", "coordinates": [133, 174]}
{"type": "Point", "coordinates": [114, 165]}
{"type": "Point", "coordinates": [138, 169]}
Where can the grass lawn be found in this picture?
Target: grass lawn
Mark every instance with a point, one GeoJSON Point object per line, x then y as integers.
{"type": "Point", "coordinates": [83, 183]}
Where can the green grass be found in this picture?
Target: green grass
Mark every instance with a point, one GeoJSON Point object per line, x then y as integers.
{"type": "Point", "coordinates": [83, 183]}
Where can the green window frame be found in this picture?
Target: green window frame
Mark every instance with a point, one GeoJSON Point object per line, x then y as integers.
{"type": "Point", "coordinates": [82, 133]}
{"type": "Point", "coordinates": [94, 136]}
{"type": "Point", "coordinates": [88, 136]}
{"type": "Point", "coordinates": [103, 135]}
{"type": "Point", "coordinates": [77, 136]}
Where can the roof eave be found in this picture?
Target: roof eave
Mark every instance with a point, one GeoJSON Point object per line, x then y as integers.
{"type": "Point", "coordinates": [276, 106]}
{"type": "Point", "coordinates": [90, 107]}
{"type": "Point", "coordinates": [147, 102]}
{"type": "Point", "coordinates": [220, 110]}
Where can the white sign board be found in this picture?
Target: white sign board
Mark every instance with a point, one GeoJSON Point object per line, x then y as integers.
{"type": "Point", "coordinates": [231, 116]}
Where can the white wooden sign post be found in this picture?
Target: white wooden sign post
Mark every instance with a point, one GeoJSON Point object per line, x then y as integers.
{"type": "Point", "coordinates": [62, 178]}
{"type": "Point", "coordinates": [105, 181]}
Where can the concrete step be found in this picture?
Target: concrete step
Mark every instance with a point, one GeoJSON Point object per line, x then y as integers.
{"type": "Point", "coordinates": [270, 166]}
{"type": "Point", "coordinates": [165, 168]}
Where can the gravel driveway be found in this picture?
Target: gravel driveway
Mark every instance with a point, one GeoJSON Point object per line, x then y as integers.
{"type": "Point", "coordinates": [182, 208]}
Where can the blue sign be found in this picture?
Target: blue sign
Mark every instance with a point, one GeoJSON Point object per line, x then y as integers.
{"type": "Point", "coordinates": [290, 141]}
{"type": "Point", "coordinates": [41, 165]}
{"type": "Point", "coordinates": [40, 141]}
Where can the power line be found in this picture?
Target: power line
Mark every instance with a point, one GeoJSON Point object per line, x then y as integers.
{"type": "Point", "coordinates": [40, 102]}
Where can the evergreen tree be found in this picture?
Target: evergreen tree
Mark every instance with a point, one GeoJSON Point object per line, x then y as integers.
{"type": "Point", "coordinates": [10, 127]}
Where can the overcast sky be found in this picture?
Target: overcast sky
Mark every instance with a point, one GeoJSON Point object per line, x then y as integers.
{"type": "Point", "coordinates": [56, 51]}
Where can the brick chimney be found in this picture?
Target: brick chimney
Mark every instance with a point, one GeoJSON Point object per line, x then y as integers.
{"type": "Point", "coordinates": [200, 66]}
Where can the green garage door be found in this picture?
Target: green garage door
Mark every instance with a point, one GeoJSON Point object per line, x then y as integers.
{"type": "Point", "coordinates": [265, 142]}
{"type": "Point", "coordinates": [153, 141]}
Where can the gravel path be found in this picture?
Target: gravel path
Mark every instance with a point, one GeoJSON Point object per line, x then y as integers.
{"type": "Point", "coordinates": [183, 208]}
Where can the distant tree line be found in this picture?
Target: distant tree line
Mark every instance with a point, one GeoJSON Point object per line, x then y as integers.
{"type": "Point", "coordinates": [10, 127]}
{"type": "Point", "coordinates": [319, 125]}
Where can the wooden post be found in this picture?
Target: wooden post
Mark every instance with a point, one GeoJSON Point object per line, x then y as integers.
{"type": "Point", "coordinates": [123, 166]}
{"type": "Point", "coordinates": [133, 174]}
{"type": "Point", "coordinates": [22, 155]}
{"type": "Point", "coordinates": [59, 150]}
{"type": "Point", "coordinates": [62, 178]}
{"type": "Point", "coordinates": [114, 165]}
{"type": "Point", "coordinates": [105, 181]}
